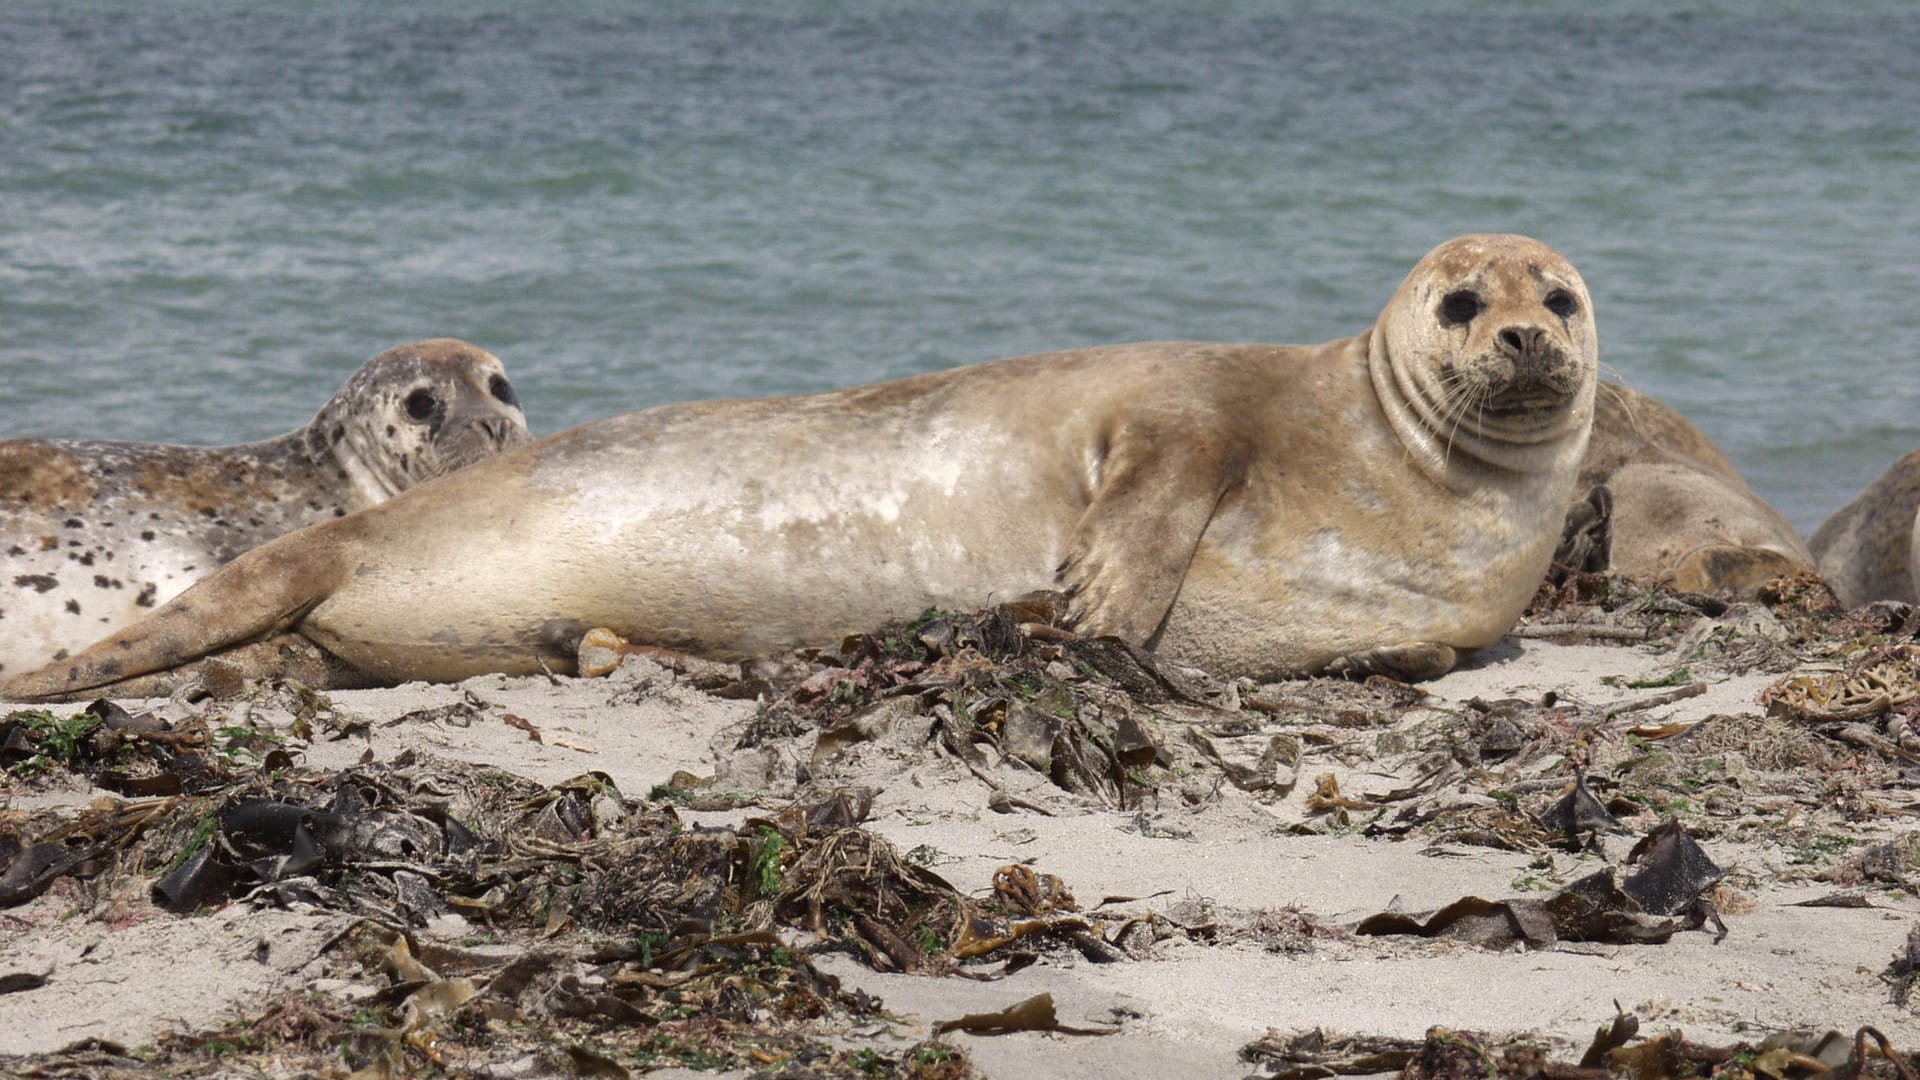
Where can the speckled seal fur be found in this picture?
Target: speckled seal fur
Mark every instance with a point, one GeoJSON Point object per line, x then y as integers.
{"type": "Point", "coordinates": [93, 535]}
{"type": "Point", "coordinates": [1382, 503]}
{"type": "Point", "coordinates": [1681, 512]}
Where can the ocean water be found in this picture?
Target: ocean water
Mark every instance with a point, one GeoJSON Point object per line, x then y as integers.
{"type": "Point", "coordinates": [211, 211]}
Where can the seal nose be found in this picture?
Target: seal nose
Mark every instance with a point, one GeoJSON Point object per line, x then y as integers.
{"type": "Point", "coordinates": [1523, 342]}
{"type": "Point", "coordinates": [497, 430]}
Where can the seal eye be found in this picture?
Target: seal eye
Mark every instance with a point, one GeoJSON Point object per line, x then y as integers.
{"type": "Point", "coordinates": [1562, 303]}
{"type": "Point", "coordinates": [1460, 306]}
{"type": "Point", "coordinates": [421, 404]}
{"type": "Point", "coordinates": [502, 390]}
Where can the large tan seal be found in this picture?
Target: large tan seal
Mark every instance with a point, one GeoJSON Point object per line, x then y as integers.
{"type": "Point", "coordinates": [94, 535]}
{"type": "Point", "coordinates": [1681, 514]}
{"type": "Point", "coordinates": [1384, 502]}
{"type": "Point", "coordinates": [1866, 550]}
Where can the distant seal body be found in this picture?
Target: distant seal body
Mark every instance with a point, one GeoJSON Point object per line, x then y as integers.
{"type": "Point", "coordinates": [1681, 512]}
{"type": "Point", "coordinates": [94, 535]}
{"type": "Point", "coordinates": [1380, 503]}
{"type": "Point", "coordinates": [1866, 549]}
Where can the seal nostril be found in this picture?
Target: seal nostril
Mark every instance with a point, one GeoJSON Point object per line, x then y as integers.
{"type": "Point", "coordinates": [1513, 340]}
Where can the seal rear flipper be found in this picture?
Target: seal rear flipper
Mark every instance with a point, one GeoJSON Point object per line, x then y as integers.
{"type": "Point", "coordinates": [264, 591]}
{"type": "Point", "coordinates": [1130, 550]}
{"type": "Point", "coordinates": [282, 656]}
{"type": "Point", "coordinates": [1731, 568]}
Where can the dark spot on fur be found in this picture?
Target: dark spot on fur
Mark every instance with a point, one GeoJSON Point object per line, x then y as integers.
{"type": "Point", "coordinates": [73, 607]}
{"type": "Point", "coordinates": [392, 431]}
{"type": "Point", "coordinates": [146, 534]}
{"type": "Point", "coordinates": [74, 523]}
{"type": "Point", "coordinates": [339, 432]}
{"type": "Point", "coordinates": [207, 511]}
{"type": "Point", "coordinates": [61, 655]}
{"type": "Point", "coordinates": [100, 582]}
{"type": "Point", "coordinates": [16, 551]}
{"type": "Point", "coordinates": [145, 599]}
{"type": "Point", "coordinates": [339, 512]}
{"type": "Point", "coordinates": [87, 559]}
{"type": "Point", "coordinates": [37, 582]}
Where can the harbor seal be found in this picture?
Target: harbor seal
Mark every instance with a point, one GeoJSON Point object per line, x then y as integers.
{"type": "Point", "coordinates": [1681, 513]}
{"type": "Point", "coordinates": [1380, 503]}
{"type": "Point", "coordinates": [94, 535]}
{"type": "Point", "coordinates": [1866, 549]}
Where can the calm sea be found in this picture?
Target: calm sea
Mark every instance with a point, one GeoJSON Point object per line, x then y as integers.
{"type": "Point", "coordinates": [211, 211]}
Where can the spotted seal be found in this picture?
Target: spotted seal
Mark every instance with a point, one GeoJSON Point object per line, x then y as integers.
{"type": "Point", "coordinates": [1681, 514]}
{"type": "Point", "coordinates": [1381, 503]}
{"type": "Point", "coordinates": [1866, 550]}
{"type": "Point", "coordinates": [93, 535]}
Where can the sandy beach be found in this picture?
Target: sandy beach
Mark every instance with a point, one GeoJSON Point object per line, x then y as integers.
{"type": "Point", "coordinates": [1223, 895]}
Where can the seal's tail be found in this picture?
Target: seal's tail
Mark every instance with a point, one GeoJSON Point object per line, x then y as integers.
{"type": "Point", "coordinates": [262, 592]}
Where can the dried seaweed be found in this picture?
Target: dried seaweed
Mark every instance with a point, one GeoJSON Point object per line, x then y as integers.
{"type": "Point", "coordinates": [1617, 1052]}
{"type": "Point", "coordinates": [1672, 880]}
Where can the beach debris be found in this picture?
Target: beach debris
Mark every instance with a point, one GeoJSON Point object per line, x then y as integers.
{"type": "Point", "coordinates": [602, 909]}
{"type": "Point", "coordinates": [1672, 881]}
{"type": "Point", "coordinates": [415, 838]}
{"type": "Point", "coordinates": [1618, 1051]}
{"type": "Point", "coordinates": [694, 939]}
{"type": "Point", "coordinates": [1901, 975]}
{"type": "Point", "coordinates": [1875, 681]}
{"type": "Point", "coordinates": [1034, 1014]}
{"type": "Point", "coordinates": [1579, 811]}
{"type": "Point", "coordinates": [1675, 872]}
{"type": "Point", "coordinates": [1009, 694]}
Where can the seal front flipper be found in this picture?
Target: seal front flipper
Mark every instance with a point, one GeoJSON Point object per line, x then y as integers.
{"type": "Point", "coordinates": [261, 593]}
{"type": "Point", "coordinates": [1409, 661]}
{"type": "Point", "coordinates": [1154, 491]}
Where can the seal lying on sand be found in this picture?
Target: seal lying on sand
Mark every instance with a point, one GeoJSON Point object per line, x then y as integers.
{"type": "Point", "coordinates": [1866, 549]}
{"type": "Point", "coordinates": [1681, 513]}
{"type": "Point", "coordinates": [93, 535]}
{"type": "Point", "coordinates": [1380, 503]}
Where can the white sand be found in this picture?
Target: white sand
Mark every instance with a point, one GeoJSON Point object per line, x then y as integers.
{"type": "Point", "coordinates": [1186, 1011]}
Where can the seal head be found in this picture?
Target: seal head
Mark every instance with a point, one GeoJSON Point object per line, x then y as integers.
{"type": "Point", "coordinates": [1487, 350]}
{"type": "Point", "coordinates": [415, 412]}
